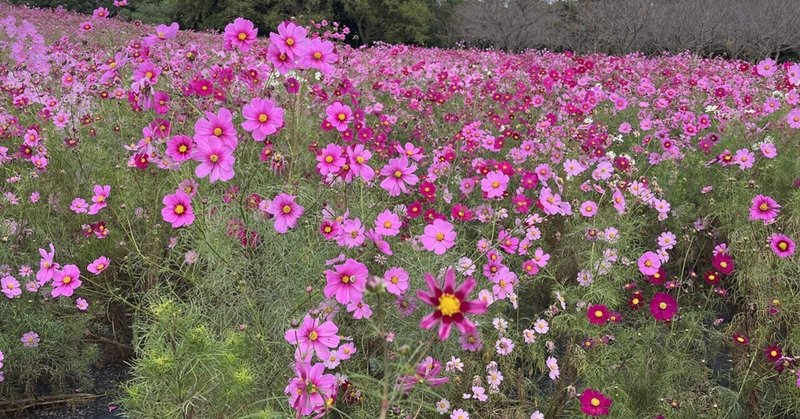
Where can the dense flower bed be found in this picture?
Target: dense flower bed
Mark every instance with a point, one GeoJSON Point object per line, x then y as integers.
{"type": "Point", "coordinates": [300, 228]}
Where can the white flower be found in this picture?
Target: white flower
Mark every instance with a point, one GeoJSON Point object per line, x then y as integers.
{"type": "Point", "coordinates": [443, 406]}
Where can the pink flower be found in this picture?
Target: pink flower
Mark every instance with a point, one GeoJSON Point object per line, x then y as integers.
{"type": "Point", "coordinates": [357, 158]}
{"type": "Point", "coordinates": [216, 160]}
{"type": "Point", "coordinates": [178, 209]}
{"type": "Point", "coordinates": [764, 208]}
{"type": "Point", "coordinates": [81, 304]}
{"type": "Point", "coordinates": [339, 116]}
{"type": "Point", "coordinates": [286, 212]}
{"type": "Point", "coordinates": [494, 184]}
{"type": "Point", "coordinates": [588, 209]}
{"type": "Point", "coordinates": [439, 237]}
{"type": "Point", "coordinates": [314, 336]}
{"type": "Point", "coordinates": [387, 223]}
{"type": "Point", "coordinates": [216, 127]}
{"type": "Point", "coordinates": [319, 55]}
{"type": "Point", "coordinates": [79, 206]}
{"type": "Point", "coordinates": [782, 245]}
{"type": "Point", "coordinates": [426, 372]}
{"type": "Point", "coordinates": [10, 286]}
{"type": "Point", "coordinates": [352, 234]}
{"type": "Point", "coordinates": [310, 389]}
{"type": "Point", "coordinates": [163, 32]}
{"type": "Point", "coordinates": [30, 339]}
{"type": "Point", "coordinates": [451, 305]}
{"type": "Point", "coordinates": [101, 194]}
{"type": "Point", "coordinates": [289, 40]}
{"type": "Point", "coordinates": [663, 307]}
{"type": "Point", "coordinates": [179, 148]}
{"type": "Point", "coordinates": [396, 281]}
{"type": "Point", "coordinates": [47, 267]}
{"type": "Point", "coordinates": [649, 263]}
{"type": "Point", "coordinates": [330, 160]}
{"type": "Point", "coordinates": [767, 67]}
{"type": "Point", "coordinates": [360, 310]}
{"type": "Point", "coordinates": [262, 117]}
{"type": "Point", "coordinates": [793, 118]}
{"type": "Point", "coordinates": [65, 281]}
{"type": "Point", "coordinates": [346, 282]}
{"type": "Point", "coordinates": [241, 33]}
{"type": "Point", "coordinates": [99, 265]}
{"type": "Point", "coordinates": [399, 173]}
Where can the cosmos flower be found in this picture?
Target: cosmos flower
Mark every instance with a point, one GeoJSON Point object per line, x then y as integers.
{"type": "Point", "coordinates": [285, 211]}
{"type": "Point", "coordinates": [594, 403]}
{"type": "Point", "coordinates": [241, 33]}
{"type": "Point", "coordinates": [663, 307]}
{"type": "Point", "coordinates": [782, 245]}
{"type": "Point", "coordinates": [451, 304]}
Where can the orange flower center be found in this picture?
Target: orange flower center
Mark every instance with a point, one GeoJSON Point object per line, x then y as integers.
{"type": "Point", "coordinates": [179, 209]}
{"type": "Point", "coordinates": [217, 131]}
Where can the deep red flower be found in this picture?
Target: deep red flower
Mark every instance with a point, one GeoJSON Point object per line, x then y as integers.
{"type": "Point", "coordinates": [594, 403]}
{"type": "Point", "coordinates": [597, 314]}
{"type": "Point", "coordinates": [663, 307]}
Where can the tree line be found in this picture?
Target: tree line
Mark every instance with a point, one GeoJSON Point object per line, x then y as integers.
{"type": "Point", "coordinates": [747, 29]}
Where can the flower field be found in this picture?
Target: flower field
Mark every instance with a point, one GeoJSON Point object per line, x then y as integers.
{"type": "Point", "coordinates": [278, 225]}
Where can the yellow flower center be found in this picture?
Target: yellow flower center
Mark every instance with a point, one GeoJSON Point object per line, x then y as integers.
{"type": "Point", "coordinates": [595, 401]}
{"type": "Point", "coordinates": [398, 174]}
{"type": "Point", "coordinates": [328, 159]}
{"type": "Point", "coordinates": [242, 36]}
{"type": "Point", "coordinates": [598, 313]}
{"type": "Point", "coordinates": [360, 160]}
{"type": "Point", "coordinates": [66, 280]}
{"type": "Point", "coordinates": [783, 245]}
{"type": "Point", "coordinates": [214, 158]}
{"type": "Point", "coordinates": [179, 209]}
{"type": "Point", "coordinates": [495, 184]}
{"type": "Point", "coordinates": [773, 353]}
{"type": "Point", "coordinates": [394, 280]}
{"type": "Point", "coordinates": [313, 335]}
{"type": "Point", "coordinates": [346, 279]}
{"type": "Point", "coordinates": [387, 224]}
{"type": "Point", "coordinates": [635, 301]}
{"type": "Point", "coordinates": [289, 41]}
{"type": "Point", "coordinates": [723, 264]}
{"type": "Point", "coordinates": [763, 206]}
{"type": "Point", "coordinates": [263, 118]}
{"type": "Point", "coordinates": [439, 237]}
{"type": "Point", "coordinates": [101, 266]}
{"type": "Point", "coordinates": [286, 209]}
{"type": "Point", "coordinates": [317, 55]}
{"type": "Point", "coordinates": [648, 263]}
{"type": "Point", "coordinates": [182, 148]}
{"type": "Point", "coordinates": [449, 305]}
{"type": "Point", "coordinates": [217, 131]}
{"type": "Point", "coordinates": [148, 75]}
{"type": "Point", "coordinates": [662, 305]}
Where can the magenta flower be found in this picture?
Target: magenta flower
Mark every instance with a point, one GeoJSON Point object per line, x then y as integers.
{"type": "Point", "coordinates": [494, 184]}
{"type": "Point", "coordinates": [399, 173]}
{"type": "Point", "coordinates": [47, 267]}
{"type": "Point", "coordinates": [178, 209]}
{"type": "Point", "coordinates": [346, 282]}
{"type": "Point", "coordinates": [330, 159]}
{"type": "Point", "coordinates": [649, 263]}
{"type": "Point", "coordinates": [163, 32]}
{"type": "Point", "coordinates": [65, 281]}
{"type": "Point", "coordinates": [352, 234]}
{"type": "Point", "coordinates": [426, 372]}
{"type": "Point", "coordinates": [216, 160]}
{"type": "Point", "coordinates": [782, 245]}
{"type": "Point", "coordinates": [451, 305]}
{"type": "Point", "coordinates": [179, 148]}
{"type": "Point", "coordinates": [262, 117]}
{"type": "Point", "coordinates": [396, 281]}
{"type": "Point", "coordinates": [99, 198]}
{"type": "Point", "coordinates": [764, 208]}
{"type": "Point", "coordinates": [723, 263]}
{"type": "Point", "coordinates": [10, 286]}
{"type": "Point", "coordinates": [289, 39]}
{"type": "Point", "coordinates": [663, 306]}
{"type": "Point", "coordinates": [793, 118]}
{"type": "Point", "coordinates": [339, 115]}
{"type": "Point", "coordinates": [439, 237]}
{"type": "Point", "coordinates": [319, 55]}
{"type": "Point", "coordinates": [286, 212]}
{"type": "Point", "coordinates": [357, 158]}
{"type": "Point", "coordinates": [387, 223]}
{"type": "Point", "coordinates": [314, 336]}
{"type": "Point", "coordinates": [240, 33]}
{"type": "Point", "coordinates": [310, 389]}
{"type": "Point", "coordinates": [216, 127]}
{"type": "Point", "coordinates": [99, 265]}
{"type": "Point", "coordinates": [81, 304]}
